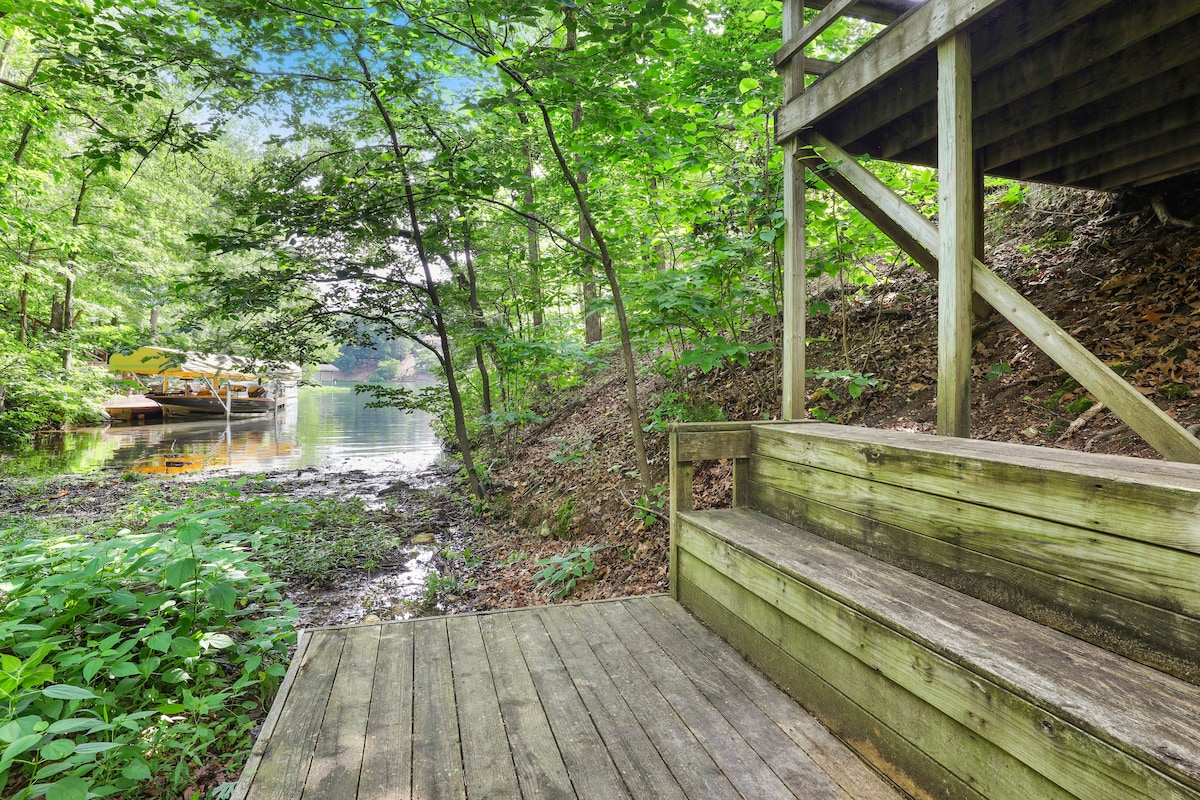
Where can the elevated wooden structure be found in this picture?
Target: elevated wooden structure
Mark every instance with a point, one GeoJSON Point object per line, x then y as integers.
{"type": "Point", "coordinates": [1091, 93]}
{"type": "Point", "coordinates": [609, 700]}
{"type": "Point", "coordinates": [981, 621]}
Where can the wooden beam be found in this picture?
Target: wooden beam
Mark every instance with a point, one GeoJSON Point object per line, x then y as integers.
{"type": "Point", "coordinates": [1088, 132]}
{"type": "Point", "coordinates": [795, 302]}
{"type": "Point", "coordinates": [956, 251]}
{"type": "Point", "coordinates": [795, 295]}
{"type": "Point", "coordinates": [883, 12]}
{"type": "Point", "coordinates": [990, 47]}
{"type": "Point", "coordinates": [1099, 55]}
{"type": "Point", "coordinates": [1146, 419]}
{"type": "Point", "coordinates": [1138, 149]}
{"type": "Point", "coordinates": [893, 49]}
{"type": "Point", "coordinates": [819, 66]}
{"type": "Point", "coordinates": [819, 24]}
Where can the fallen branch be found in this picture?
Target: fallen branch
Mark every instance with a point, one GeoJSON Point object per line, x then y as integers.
{"type": "Point", "coordinates": [1159, 204]}
{"type": "Point", "coordinates": [1080, 421]}
{"type": "Point", "coordinates": [1103, 435]}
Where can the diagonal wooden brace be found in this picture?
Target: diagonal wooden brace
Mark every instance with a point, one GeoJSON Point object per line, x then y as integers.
{"type": "Point", "coordinates": [918, 237]}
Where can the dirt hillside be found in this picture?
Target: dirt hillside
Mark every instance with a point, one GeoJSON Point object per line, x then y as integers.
{"type": "Point", "coordinates": [1109, 271]}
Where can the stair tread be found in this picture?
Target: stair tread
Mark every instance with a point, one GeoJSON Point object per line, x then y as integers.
{"type": "Point", "coordinates": [1150, 715]}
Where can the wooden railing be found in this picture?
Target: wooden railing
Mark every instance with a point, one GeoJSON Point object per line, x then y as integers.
{"type": "Point", "coordinates": [693, 442]}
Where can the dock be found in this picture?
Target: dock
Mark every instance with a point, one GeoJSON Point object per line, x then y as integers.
{"type": "Point", "coordinates": [631, 698]}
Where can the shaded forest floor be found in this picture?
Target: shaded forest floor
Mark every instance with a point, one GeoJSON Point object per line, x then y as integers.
{"type": "Point", "coordinates": [1120, 281]}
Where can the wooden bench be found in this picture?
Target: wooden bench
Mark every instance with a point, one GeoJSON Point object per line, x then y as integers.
{"type": "Point", "coordinates": [978, 620]}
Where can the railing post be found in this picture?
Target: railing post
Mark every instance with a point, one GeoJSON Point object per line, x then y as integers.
{"type": "Point", "coordinates": [681, 500]}
{"type": "Point", "coordinates": [794, 266]}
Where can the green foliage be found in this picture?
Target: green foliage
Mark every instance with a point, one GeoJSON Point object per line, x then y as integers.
{"type": "Point", "coordinates": [996, 370]}
{"type": "Point", "coordinates": [853, 383]}
{"type": "Point", "coordinates": [671, 406]}
{"type": "Point", "coordinates": [564, 572]}
{"type": "Point", "coordinates": [37, 393]}
{"type": "Point", "coordinates": [654, 506]}
{"type": "Point", "coordinates": [572, 452]}
{"type": "Point", "coordinates": [130, 655]}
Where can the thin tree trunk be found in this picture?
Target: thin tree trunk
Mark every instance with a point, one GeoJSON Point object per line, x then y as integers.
{"type": "Point", "coordinates": [478, 322]}
{"type": "Point", "coordinates": [154, 311]}
{"type": "Point", "coordinates": [660, 248]}
{"type": "Point", "coordinates": [23, 303]}
{"type": "Point", "coordinates": [593, 326]}
{"type": "Point", "coordinates": [68, 297]}
{"type": "Point", "coordinates": [446, 355]}
{"type": "Point", "coordinates": [532, 247]}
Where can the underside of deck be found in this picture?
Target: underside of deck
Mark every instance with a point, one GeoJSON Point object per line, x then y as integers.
{"type": "Point", "coordinates": [621, 699]}
{"type": "Point", "coordinates": [1091, 93]}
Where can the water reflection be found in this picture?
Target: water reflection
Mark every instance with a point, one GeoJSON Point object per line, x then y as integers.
{"type": "Point", "coordinates": [327, 428]}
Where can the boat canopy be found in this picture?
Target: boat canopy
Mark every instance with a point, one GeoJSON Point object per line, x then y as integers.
{"type": "Point", "coordinates": [190, 365]}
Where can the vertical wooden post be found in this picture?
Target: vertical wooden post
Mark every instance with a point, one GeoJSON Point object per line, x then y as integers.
{"type": "Point", "coordinates": [681, 500]}
{"type": "Point", "coordinates": [956, 223]}
{"type": "Point", "coordinates": [794, 266]}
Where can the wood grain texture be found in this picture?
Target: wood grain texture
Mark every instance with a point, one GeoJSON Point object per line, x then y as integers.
{"type": "Point", "coordinates": [286, 759]}
{"type": "Point", "coordinates": [487, 761]}
{"type": "Point", "coordinates": [608, 700]}
{"type": "Point", "coordinates": [1083, 717]}
{"type": "Point", "coordinates": [337, 760]}
{"type": "Point", "coordinates": [436, 746]}
{"type": "Point", "coordinates": [1139, 499]}
{"type": "Point", "coordinates": [387, 762]}
{"type": "Point", "coordinates": [1150, 574]}
{"type": "Point", "coordinates": [956, 228]}
{"type": "Point", "coordinates": [1153, 636]}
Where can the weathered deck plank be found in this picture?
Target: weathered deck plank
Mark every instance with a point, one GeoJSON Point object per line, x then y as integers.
{"type": "Point", "coordinates": [632, 698]}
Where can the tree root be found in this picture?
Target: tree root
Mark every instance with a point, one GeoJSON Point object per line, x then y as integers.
{"type": "Point", "coordinates": [1082, 420]}
{"type": "Point", "coordinates": [1159, 204]}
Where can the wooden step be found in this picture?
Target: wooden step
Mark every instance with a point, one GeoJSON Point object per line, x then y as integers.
{"type": "Point", "coordinates": [948, 695]}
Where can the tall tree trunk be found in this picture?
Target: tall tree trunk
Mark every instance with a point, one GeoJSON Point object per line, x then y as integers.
{"type": "Point", "coordinates": [532, 247]}
{"type": "Point", "coordinates": [660, 247]}
{"type": "Point", "coordinates": [593, 327]}
{"type": "Point", "coordinates": [478, 322]}
{"type": "Point", "coordinates": [68, 297]}
{"type": "Point", "coordinates": [23, 304]}
{"type": "Point", "coordinates": [605, 257]}
{"type": "Point", "coordinates": [154, 312]}
{"type": "Point", "coordinates": [446, 356]}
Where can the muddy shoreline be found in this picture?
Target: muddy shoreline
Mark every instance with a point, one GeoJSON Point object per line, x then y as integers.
{"type": "Point", "coordinates": [427, 518]}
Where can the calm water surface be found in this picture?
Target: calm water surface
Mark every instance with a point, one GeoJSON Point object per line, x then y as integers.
{"type": "Point", "coordinates": [327, 428]}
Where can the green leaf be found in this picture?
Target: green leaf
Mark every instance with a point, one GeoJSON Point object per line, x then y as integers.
{"type": "Point", "coordinates": [222, 596]}
{"type": "Point", "coordinates": [71, 788]}
{"type": "Point", "coordinates": [180, 572]}
{"type": "Point", "coordinates": [62, 691]}
{"type": "Point", "coordinates": [136, 770]}
{"type": "Point", "coordinates": [89, 748]}
{"type": "Point", "coordinates": [216, 641]}
{"type": "Point", "coordinates": [757, 16]}
{"type": "Point", "coordinates": [160, 641]}
{"type": "Point", "coordinates": [751, 106]}
{"type": "Point", "coordinates": [91, 668]}
{"type": "Point", "coordinates": [747, 85]}
{"type": "Point", "coordinates": [22, 745]}
{"type": "Point", "coordinates": [124, 669]}
{"type": "Point", "coordinates": [56, 749]}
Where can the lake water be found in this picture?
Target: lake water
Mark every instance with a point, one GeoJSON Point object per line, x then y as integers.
{"type": "Point", "coordinates": [327, 428]}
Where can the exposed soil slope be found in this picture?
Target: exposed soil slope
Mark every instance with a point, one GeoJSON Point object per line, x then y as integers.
{"type": "Point", "coordinates": [1123, 283]}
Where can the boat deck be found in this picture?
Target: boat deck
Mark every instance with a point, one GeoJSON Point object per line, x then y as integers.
{"type": "Point", "coordinates": [619, 699]}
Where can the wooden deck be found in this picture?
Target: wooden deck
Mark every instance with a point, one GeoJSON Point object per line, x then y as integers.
{"type": "Point", "coordinates": [620, 699]}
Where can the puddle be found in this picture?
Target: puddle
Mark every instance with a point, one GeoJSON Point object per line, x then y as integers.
{"type": "Point", "coordinates": [369, 595]}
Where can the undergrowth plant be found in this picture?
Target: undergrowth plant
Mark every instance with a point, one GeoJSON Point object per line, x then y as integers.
{"type": "Point", "coordinates": [127, 659]}
{"type": "Point", "coordinates": [565, 571]}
